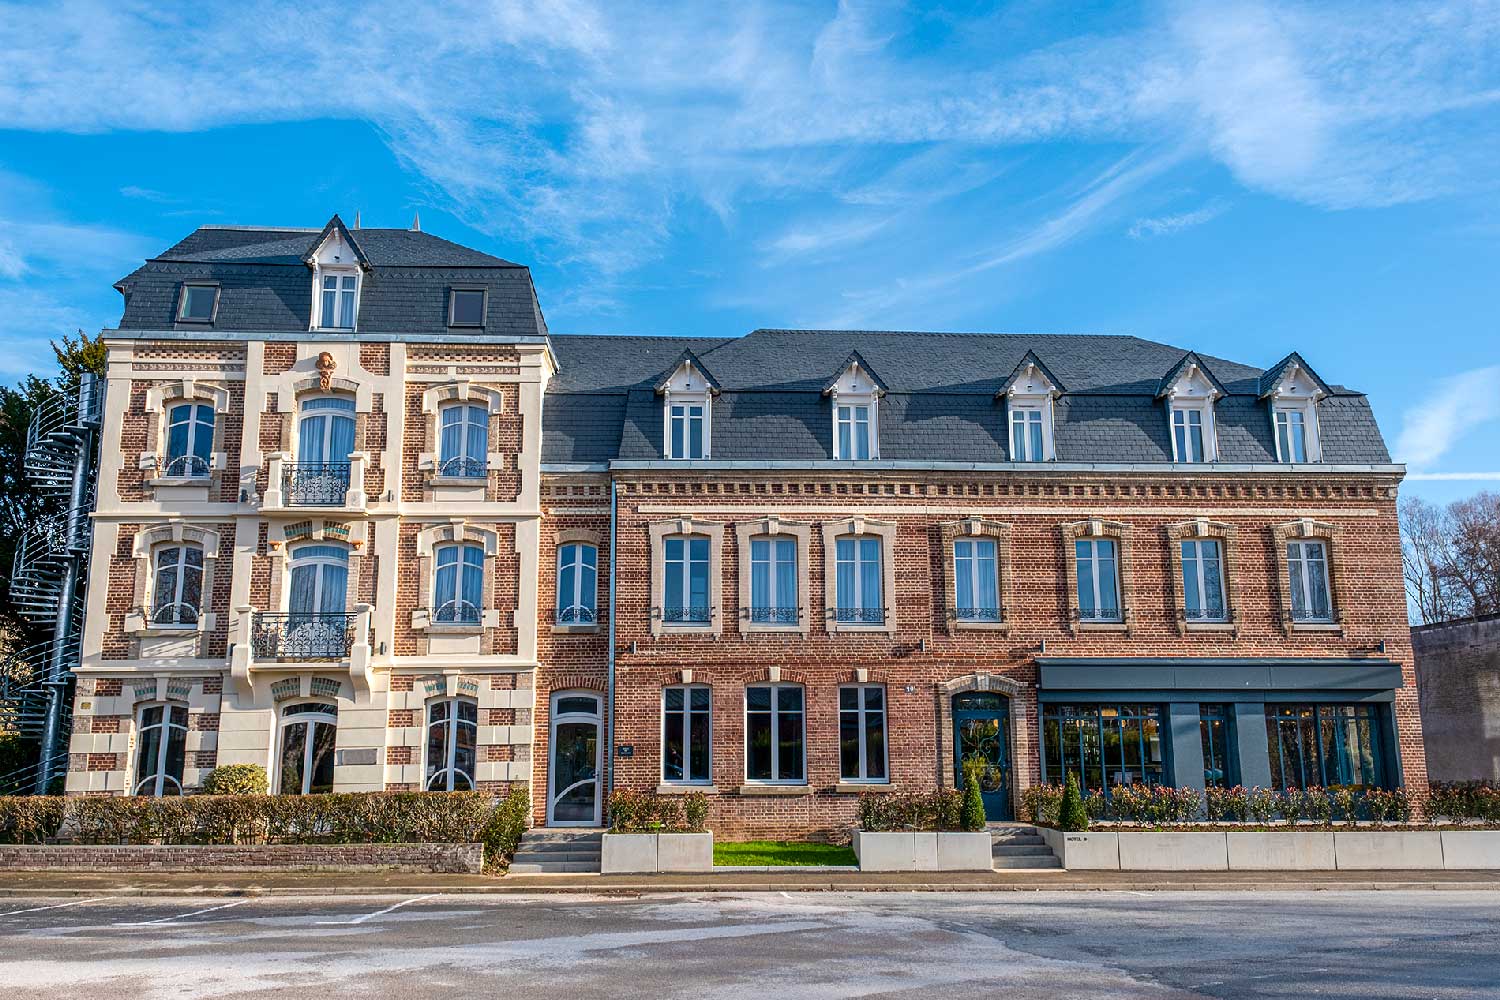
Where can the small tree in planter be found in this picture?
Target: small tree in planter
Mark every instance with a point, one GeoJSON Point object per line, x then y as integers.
{"type": "Point", "coordinates": [236, 779]}
{"type": "Point", "coordinates": [973, 812]}
{"type": "Point", "coordinates": [1072, 817]}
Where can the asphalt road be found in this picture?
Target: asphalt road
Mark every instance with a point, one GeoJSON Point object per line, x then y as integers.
{"type": "Point", "coordinates": [762, 945]}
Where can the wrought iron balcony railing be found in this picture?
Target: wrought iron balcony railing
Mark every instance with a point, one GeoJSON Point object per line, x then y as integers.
{"type": "Point", "coordinates": [695, 615]}
{"type": "Point", "coordinates": [1100, 615]}
{"type": "Point", "coordinates": [173, 615]}
{"type": "Point", "coordinates": [315, 484]}
{"type": "Point", "coordinates": [977, 614]}
{"type": "Point", "coordinates": [1314, 616]}
{"type": "Point", "coordinates": [299, 636]}
{"type": "Point", "coordinates": [457, 613]}
{"type": "Point", "coordinates": [860, 616]}
{"type": "Point", "coordinates": [186, 467]}
{"type": "Point", "coordinates": [462, 468]}
{"type": "Point", "coordinates": [775, 616]}
{"type": "Point", "coordinates": [578, 614]}
{"type": "Point", "coordinates": [1211, 613]}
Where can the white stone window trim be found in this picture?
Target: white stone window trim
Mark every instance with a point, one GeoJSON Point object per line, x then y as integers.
{"type": "Point", "coordinates": [1331, 536]}
{"type": "Point", "coordinates": [340, 272]}
{"type": "Point", "coordinates": [160, 399]}
{"type": "Point", "coordinates": [974, 528]}
{"type": "Point", "coordinates": [859, 527]}
{"type": "Point", "coordinates": [775, 688]}
{"type": "Point", "coordinates": [1193, 392]}
{"type": "Point", "coordinates": [855, 388]}
{"type": "Point", "coordinates": [773, 527]}
{"type": "Point", "coordinates": [687, 688]}
{"type": "Point", "coordinates": [451, 724]}
{"type": "Point", "coordinates": [166, 725]}
{"type": "Point", "coordinates": [144, 548]}
{"type": "Point", "coordinates": [687, 387]}
{"type": "Point", "coordinates": [658, 532]}
{"type": "Point", "coordinates": [1203, 530]}
{"type": "Point", "coordinates": [862, 713]}
{"type": "Point", "coordinates": [328, 716]}
{"type": "Point", "coordinates": [1308, 410]}
{"type": "Point", "coordinates": [1095, 528]}
{"type": "Point", "coordinates": [458, 392]}
{"type": "Point", "coordinates": [1297, 392]}
{"type": "Point", "coordinates": [1032, 390]}
{"type": "Point", "coordinates": [429, 540]}
{"type": "Point", "coordinates": [292, 408]}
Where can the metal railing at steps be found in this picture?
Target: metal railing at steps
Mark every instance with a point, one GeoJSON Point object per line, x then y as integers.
{"type": "Point", "coordinates": [52, 549]}
{"type": "Point", "coordinates": [22, 781]}
{"type": "Point", "coordinates": [59, 427]}
{"type": "Point", "coordinates": [26, 691]}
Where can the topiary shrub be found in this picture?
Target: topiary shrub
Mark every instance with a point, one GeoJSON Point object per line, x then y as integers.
{"type": "Point", "coordinates": [973, 812]}
{"type": "Point", "coordinates": [1072, 816]}
{"type": "Point", "coordinates": [237, 779]}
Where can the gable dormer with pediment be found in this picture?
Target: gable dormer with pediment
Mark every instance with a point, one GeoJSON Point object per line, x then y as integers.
{"type": "Point", "coordinates": [338, 269]}
{"type": "Point", "coordinates": [687, 392]}
{"type": "Point", "coordinates": [1291, 391]}
{"type": "Point", "coordinates": [1190, 391]}
{"type": "Point", "coordinates": [1029, 396]}
{"type": "Point", "coordinates": [854, 392]}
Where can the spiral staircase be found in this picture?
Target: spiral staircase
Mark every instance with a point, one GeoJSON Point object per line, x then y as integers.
{"type": "Point", "coordinates": [47, 582]}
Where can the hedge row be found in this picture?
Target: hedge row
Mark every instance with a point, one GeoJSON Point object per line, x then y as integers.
{"type": "Point", "coordinates": [1464, 800]}
{"type": "Point", "coordinates": [645, 812]}
{"type": "Point", "coordinates": [358, 818]}
{"type": "Point", "coordinates": [1156, 804]}
{"type": "Point", "coordinates": [926, 811]}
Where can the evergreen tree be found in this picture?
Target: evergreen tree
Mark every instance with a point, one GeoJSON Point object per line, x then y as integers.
{"type": "Point", "coordinates": [1072, 817]}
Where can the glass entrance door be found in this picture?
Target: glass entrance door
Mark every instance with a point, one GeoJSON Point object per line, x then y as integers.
{"type": "Point", "coordinates": [573, 779]}
{"type": "Point", "coordinates": [981, 731]}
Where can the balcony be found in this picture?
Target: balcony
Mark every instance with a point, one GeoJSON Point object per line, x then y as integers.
{"type": "Point", "coordinates": [860, 616]}
{"type": "Point", "coordinates": [976, 616]}
{"type": "Point", "coordinates": [1100, 616]}
{"type": "Point", "coordinates": [460, 467]}
{"type": "Point", "coordinates": [578, 614]}
{"type": "Point", "coordinates": [316, 484]}
{"type": "Point", "coordinates": [775, 616]}
{"type": "Point", "coordinates": [303, 636]}
{"type": "Point", "coordinates": [687, 615]}
{"type": "Point", "coordinates": [186, 467]}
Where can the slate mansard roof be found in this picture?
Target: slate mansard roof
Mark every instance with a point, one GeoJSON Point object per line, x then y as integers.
{"type": "Point", "coordinates": [265, 282]}
{"type": "Point", "coordinates": [940, 403]}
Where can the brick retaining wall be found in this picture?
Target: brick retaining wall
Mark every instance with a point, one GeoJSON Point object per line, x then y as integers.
{"type": "Point", "coordinates": [451, 858]}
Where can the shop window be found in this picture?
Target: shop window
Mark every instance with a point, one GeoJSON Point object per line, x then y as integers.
{"type": "Point", "coordinates": [1102, 745]}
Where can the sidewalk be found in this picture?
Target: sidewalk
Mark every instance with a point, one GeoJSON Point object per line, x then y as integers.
{"type": "Point", "coordinates": [60, 884]}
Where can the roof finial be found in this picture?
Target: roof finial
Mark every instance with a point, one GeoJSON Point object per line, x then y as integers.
{"type": "Point", "coordinates": [356, 218]}
{"type": "Point", "coordinates": [416, 222]}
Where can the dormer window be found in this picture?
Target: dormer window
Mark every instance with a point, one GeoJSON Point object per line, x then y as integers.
{"type": "Point", "coordinates": [1029, 393]}
{"type": "Point", "coordinates": [199, 304]}
{"type": "Point", "coordinates": [1191, 391]}
{"type": "Point", "coordinates": [1293, 390]}
{"type": "Point", "coordinates": [466, 307]}
{"type": "Point", "coordinates": [338, 299]}
{"type": "Point", "coordinates": [855, 392]}
{"type": "Point", "coordinates": [687, 410]}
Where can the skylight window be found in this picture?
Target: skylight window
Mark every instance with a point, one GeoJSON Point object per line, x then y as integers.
{"type": "Point", "coordinates": [466, 307]}
{"type": "Point", "coordinates": [199, 303]}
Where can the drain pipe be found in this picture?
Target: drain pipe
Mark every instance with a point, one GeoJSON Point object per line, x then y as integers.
{"type": "Point", "coordinates": [609, 719]}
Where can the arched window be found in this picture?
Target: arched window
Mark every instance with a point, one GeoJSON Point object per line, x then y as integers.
{"type": "Point", "coordinates": [458, 590]}
{"type": "Point", "coordinates": [325, 433]}
{"type": "Point", "coordinates": [177, 587]}
{"type": "Point", "coordinates": [577, 584]}
{"type": "Point", "coordinates": [463, 444]}
{"type": "Point", "coordinates": [452, 728]}
{"type": "Point", "coordinates": [190, 440]}
{"type": "Point", "coordinates": [320, 581]}
{"type": "Point", "coordinates": [308, 732]}
{"type": "Point", "coordinates": [161, 749]}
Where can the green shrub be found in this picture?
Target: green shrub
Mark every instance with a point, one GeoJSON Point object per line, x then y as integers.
{"type": "Point", "coordinates": [1226, 804]}
{"type": "Point", "coordinates": [1262, 805]}
{"type": "Point", "coordinates": [695, 812]}
{"type": "Point", "coordinates": [1072, 817]}
{"type": "Point", "coordinates": [1343, 801]}
{"type": "Point", "coordinates": [1040, 804]}
{"type": "Point", "coordinates": [926, 811]}
{"type": "Point", "coordinates": [30, 819]}
{"type": "Point", "coordinates": [502, 831]}
{"type": "Point", "coordinates": [1464, 800]}
{"type": "Point", "coordinates": [972, 817]}
{"type": "Point", "coordinates": [237, 779]}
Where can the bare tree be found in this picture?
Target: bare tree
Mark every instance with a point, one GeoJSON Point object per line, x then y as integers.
{"type": "Point", "coordinates": [1451, 557]}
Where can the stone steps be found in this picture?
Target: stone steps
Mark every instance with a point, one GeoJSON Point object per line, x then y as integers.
{"type": "Point", "coordinates": [1019, 846]}
{"type": "Point", "coordinates": [545, 852]}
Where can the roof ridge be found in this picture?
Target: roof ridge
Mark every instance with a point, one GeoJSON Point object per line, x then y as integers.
{"type": "Point", "coordinates": [262, 229]}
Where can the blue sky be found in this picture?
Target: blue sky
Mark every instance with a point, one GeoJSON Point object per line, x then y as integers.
{"type": "Point", "coordinates": [1240, 179]}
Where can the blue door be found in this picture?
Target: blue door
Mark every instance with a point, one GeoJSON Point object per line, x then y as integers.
{"type": "Point", "coordinates": [981, 731]}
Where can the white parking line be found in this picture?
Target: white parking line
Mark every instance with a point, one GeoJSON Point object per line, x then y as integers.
{"type": "Point", "coordinates": [378, 913]}
{"type": "Point", "coordinates": [168, 921]}
{"type": "Point", "coordinates": [54, 906]}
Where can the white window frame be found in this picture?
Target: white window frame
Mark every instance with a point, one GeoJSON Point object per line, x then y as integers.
{"type": "Point", "coordinates": [774, 569]}
{"type": "Point", "coordinates": [328, 717]}
{"type": "Point", "coordinates": [181, 566]}
{"type": "Point", "coordinates": [861, 713]}
{"type": "Point", "coordinates": [853, 403]}
{"type": "Point", "coordinates": [303, 555]}
{"type": "Point", "coordinates": [1021, 415]}
{"type": "Point", "coordinates": [775, 717]}
{"type": "Point", "coordinates": [1201, 576]}
{"type": "Point", "coordinates": [450, 768]}
{"type": "Point", "coordinates": [688, 712]}
{"type": "Point", "coordinates": [576, 599]}
{"type": "Point", "coordinates": [1299, 566]}
{"type": "Point", "coordinates": [687, 562]}
{"type": "Point", "coordinates": [1093, 561]}
{"type": "Point", "coordinates": [975, 575]}
{"type": "Point", "coordinates": [195, 429]}
{"type": "Point", "coordinates": [860, 604]}
{"type": "Point", "coordinates": [340, 275]}
{"type": "Point", "coordinates": [188, 288]}
{"type": "Point", "coordinates": [460, 568]}
{"type": "Point", "coordinates": [160, 777]}
{"type": "Point", "coordinates": [1308, 410]}
{"type": "Point", "coordinates": [686, 401]}
{"type": "Point", "coordinates": [1181, 453]}
{"type": "Point", "coordinates": [466, 421]}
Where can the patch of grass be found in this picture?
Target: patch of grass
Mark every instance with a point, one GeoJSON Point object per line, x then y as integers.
{"type": "Point", "coordinates": [763, 853]}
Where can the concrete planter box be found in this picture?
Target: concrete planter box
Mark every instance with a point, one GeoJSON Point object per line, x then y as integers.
{"type": "Point", "coordinates": [1088, 851]}
{"type": "Point", "coordinates": [1367, 850]}
{"type": "Point", "coordinates": [651, 853]}
{"type": "Point", "coordinates": [1302, 851]}
{"type": "Point", "coordinates": [1471, 849]}
{"type": "Point", "coordinates": [904, 851]}
{"type": "Point", "coordinates": [1174, 852]}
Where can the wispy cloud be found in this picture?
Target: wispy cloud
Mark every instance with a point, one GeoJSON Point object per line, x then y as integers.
{"type": "Point", "coordinates": [1459, 405]}
{"type": "Point", "coordinates": [1166, 225]}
